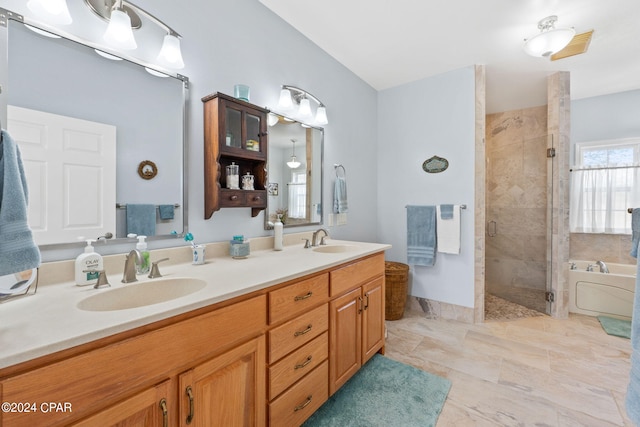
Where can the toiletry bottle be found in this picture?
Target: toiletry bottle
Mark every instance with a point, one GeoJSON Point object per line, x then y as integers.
{"type": "Point", "coordinates": [277, 236]}
{"type": "Point", "coordinates": [143, 267]}
{"type": "Point", "coordinates": [88, 260]}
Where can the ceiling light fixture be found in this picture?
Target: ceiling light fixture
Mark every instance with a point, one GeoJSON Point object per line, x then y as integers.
{"type": "Point", "coordinates": [290, 96]}
{"type": "Point", "coordinates": [293, 163]}
{"type": "Point", "coordinates": [54, 12]}
{"type": "Point", "coordinates": [550, 39]}
{"type": "Point", "coordinates": [123, 18]}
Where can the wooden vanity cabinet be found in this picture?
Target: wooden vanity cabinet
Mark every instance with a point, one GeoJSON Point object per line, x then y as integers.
{"type": "Point", "coordinates": [356, 318]}
{"type": "Point", "coordinates": [234, 132]}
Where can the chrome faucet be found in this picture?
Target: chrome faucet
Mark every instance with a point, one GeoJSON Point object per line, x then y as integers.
{"type": "Point", "coordinates": [134, 258]}
{"type": "Point", "coordinates": [603, 266]}
{"type": "Point", "coordinates": [314, 238]}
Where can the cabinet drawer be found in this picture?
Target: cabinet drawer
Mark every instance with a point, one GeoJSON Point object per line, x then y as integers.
{"type": "Point", "coordinates": [352, 275]}
{"type": "Point", "coordinates": [297, 332]}
{"type": "Point", "coordinates": [297, 404]}
{"type": "Point", "coordinates": [298, 297]}
{"type": "Point", "coordinates": [298, 364]}
{"type": "Point", "coordinates": [232, 198]}
{"type": "Point", "coordinates": [257, 199]}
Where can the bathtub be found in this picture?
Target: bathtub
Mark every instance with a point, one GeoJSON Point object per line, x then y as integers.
{"type": "Point", "coordinates": [594, 293]}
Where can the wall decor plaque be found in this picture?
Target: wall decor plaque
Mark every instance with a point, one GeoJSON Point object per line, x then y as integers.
{"type": "Point", "coordinates": [435, 164]}
{"type": "Point", "coordinates": [147, 169]}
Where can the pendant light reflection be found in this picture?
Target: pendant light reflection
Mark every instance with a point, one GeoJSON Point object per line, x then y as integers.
{"type": "Point", "coordinates": [293, 163]}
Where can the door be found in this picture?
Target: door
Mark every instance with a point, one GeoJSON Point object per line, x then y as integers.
{"type": "Point", "coordinates": [346, 338]}
{"type": "Point", "coordinates": [83, 153]}
{"type": "Point", "coordinates": [372, 318]}
{"type": "Point", "coordinates": [226, 391]}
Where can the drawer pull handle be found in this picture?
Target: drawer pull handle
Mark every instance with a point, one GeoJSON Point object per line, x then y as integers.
{"type": "Point", "coordinates": [298, 333]}
{"type": "Point", "coordinates": [191, 409]}
{"type": "Point", "coordinates": [165, 412]}
{"type": "Point", "coordinates": [303, 405]}
{"type": "Point", "coordinates": [303, 364]}
{"type": "Point", "coordinates": [303, 297]}
{"type": "Point", "coordinates": [234, 197]}
{"type": "Point", "coordinates": [257, 198]}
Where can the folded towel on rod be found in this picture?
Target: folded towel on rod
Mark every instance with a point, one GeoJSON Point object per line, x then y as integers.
{"type": "Point", "coordinates": [635, 231]}
{"type": "Point", "coordinates": [340, 204]}
{"type": "Point", "coordinates": [448, 229]}
{"type": "Point", "coordinates": [166, 211]}
{"type": "Point", "coordinates": [421, 235]}
{"type": "Point", "coordinates": [141, 219]}
{"type": "Point", "coordinates": [18, 251]}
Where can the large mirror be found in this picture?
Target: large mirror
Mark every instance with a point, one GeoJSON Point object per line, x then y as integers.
{"type": "Point", "coordinates": [102, 140]}
{"type": "Point", "coordinates": [295, 185]}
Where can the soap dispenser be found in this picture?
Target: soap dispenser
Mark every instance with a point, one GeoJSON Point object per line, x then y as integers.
{"type": "Point", "coordinates": [141, 246]}
{"type": "Point", "coordinates": [277, 236]}
{"type": "Point", "coordinates": [88, 266]}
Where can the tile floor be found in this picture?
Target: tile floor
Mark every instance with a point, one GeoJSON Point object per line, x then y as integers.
{"type": "Point", "coordinates": [536, 371]}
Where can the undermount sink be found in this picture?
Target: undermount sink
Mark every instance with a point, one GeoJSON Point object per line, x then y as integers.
{"type": "Point", "coordinates": [334, 249]}
{"type": "Point", "coordinates": [142, 294]}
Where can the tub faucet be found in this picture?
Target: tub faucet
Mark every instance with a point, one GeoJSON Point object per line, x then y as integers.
{"type": "Point", "coordinates": [603, 266]}
{"type": "Point", "coordinates": [314, 238]}
{"type": "Point", "coordinates": [134, 258]}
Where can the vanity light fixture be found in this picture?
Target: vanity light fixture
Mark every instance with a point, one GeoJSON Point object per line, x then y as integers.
{"type": "Point", "coordinates": [124, 17]}
{"type": "Point", "coordinates": [293, 163]}
{"type": "Point", "coordinates": [290, 96]}
{"type": "Point", "coordinates": [54, 12]}
{"type": "Point", "coordinates": [550, 39]}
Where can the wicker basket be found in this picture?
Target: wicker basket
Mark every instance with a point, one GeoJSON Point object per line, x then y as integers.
{"type": "Point", "coordinates": [396, 278]}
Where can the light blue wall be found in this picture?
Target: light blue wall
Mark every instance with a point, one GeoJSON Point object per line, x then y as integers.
{"type": "Point", "coordinates": [434, 116]}
{"type": "Point", "coordinates": [611, 116]}
{"type": "Point", "coordinates": [241, 41]}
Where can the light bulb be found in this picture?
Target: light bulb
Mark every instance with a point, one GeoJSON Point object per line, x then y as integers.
{"type": "Point", "coordinates": [305, 108]}
{"type": "Point", "coordinates": [321, 115]}
{"type": "Point", "coordinates": [119, 33]}
{"type": "Point", "coordinates": [170, 54]}
{"type": "Point", "coordinates": [285, 102]}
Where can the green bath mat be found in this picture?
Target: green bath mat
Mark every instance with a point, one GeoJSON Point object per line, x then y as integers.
{"type": "Point", "coordinates": [616, 327]}
{"type": "Point", "coordinates": [384, 393]}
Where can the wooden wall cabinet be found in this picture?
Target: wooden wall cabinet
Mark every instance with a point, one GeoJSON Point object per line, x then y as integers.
{"type": "Point", "coordinates": [234, 132]}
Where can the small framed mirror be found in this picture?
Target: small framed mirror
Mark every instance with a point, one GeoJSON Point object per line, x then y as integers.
{"type": "Point", "coordinates": [295, 173]}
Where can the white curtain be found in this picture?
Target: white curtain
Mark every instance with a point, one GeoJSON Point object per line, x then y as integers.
{"type": "Point", "coordinates": [297, 199]}
{"type": "Point", "coordinates": [600, 198]}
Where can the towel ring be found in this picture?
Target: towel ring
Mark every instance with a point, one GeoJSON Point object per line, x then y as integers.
{"type": "Point", "coordinates": [337, 167]}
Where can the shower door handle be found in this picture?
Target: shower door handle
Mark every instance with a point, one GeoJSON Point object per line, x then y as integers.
{"type": "Point", "coordinates": [492, 228]}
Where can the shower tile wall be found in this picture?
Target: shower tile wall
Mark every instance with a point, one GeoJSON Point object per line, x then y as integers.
{"type": "Point", "coordinates": [516, 199]}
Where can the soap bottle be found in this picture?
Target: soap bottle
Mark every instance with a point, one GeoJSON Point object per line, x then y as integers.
{"type": "Point", "coordinates": [141, 246]}
{"type": "Point", "coordinates": [88, 260]}
{"type": "Point", "coordinates": [277, 236]}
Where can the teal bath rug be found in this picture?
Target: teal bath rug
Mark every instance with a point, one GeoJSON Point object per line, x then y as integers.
{"type": "Point", "coordinates": [384, 393]}
{"type": "Point", "coordinates": [616, 327]}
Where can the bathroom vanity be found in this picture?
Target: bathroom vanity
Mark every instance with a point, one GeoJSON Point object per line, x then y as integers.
{"type": "Point", "coordinates": [265, 342]}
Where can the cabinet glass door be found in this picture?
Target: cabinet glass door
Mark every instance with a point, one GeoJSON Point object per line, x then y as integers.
{"type": "Point", "coordinates": [233, 138]}
{"type": "Point", "coordinates": [253, 132]}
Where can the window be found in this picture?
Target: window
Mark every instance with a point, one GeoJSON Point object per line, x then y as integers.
{"type": "Point", "coordinates": [605, 182]}
{"type": "Point", "coordinates": [298, 195]}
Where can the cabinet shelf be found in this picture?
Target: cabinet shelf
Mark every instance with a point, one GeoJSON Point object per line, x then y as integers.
{"type": "Point", "coordinates": [235, 132]}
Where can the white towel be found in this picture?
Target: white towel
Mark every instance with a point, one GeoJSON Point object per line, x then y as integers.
{"type": "Point", "coordinates": [448, 232]}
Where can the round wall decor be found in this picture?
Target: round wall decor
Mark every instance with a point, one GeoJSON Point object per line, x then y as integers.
{"type": "Point", "coordinates": [147, 169]}
{"type": "Point", "coordinates": [435, 164]}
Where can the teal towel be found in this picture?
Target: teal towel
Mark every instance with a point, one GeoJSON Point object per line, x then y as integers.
{"type": "Point", "coordinates": [421, 235]}
{"type": "Point", "coordinates": [635, 232]}
{"type": "Point", "coordinates": [446, 211]}
{"type": "Point", "coordinates": [340, 204]}
{"type": "Point", "coordinates": [141, 219]}
{"type": "Point", "coordinates": [18, 251]}
{"type": "Point", "coordinates": [632, 401]}
{"type": "Point", "coordinates": [166, 211]}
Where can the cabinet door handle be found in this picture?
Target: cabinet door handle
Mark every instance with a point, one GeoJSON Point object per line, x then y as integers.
{"type": "Point", "coordinates": [191, 408]}
{"type": "Point", "coordinates": [257, 198]}
{"type": "Point", "coordinates": [303, 364]}
{"type": "Point", "coordinates": [234, 197]}
{"type": "Point", "coordinates": [298, 333]}
{"type": "Point", "coordinates": [303, 297]}
{"type": "Point", "coordinates": [303, 405]}
{"type": "Point", "coordinates": [359, 305]}
{"type": "Point", "coordinates": [366, 304]}
{"type": "Point", "coordinates": [165, 412]}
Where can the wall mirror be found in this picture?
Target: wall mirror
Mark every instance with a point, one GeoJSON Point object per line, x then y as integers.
{"type": "Point", "coordinates": [294, 190]}
{"type": "Point", "coordinates": [59, 91]}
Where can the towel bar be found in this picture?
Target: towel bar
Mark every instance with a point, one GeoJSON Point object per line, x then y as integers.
{"type": "Point", "coordinates": [461, 206]}
{"type": "Point", "coordinates": [344, 171]}
{"type": "Point", "coordinates": [124, 206]}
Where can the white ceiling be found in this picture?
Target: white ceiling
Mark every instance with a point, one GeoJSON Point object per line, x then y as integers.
{"type": "Point", "coordinates": [391, 42]}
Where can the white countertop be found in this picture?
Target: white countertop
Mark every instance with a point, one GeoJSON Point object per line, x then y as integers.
{"type": "Point", "coordinates": [50, 320]}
